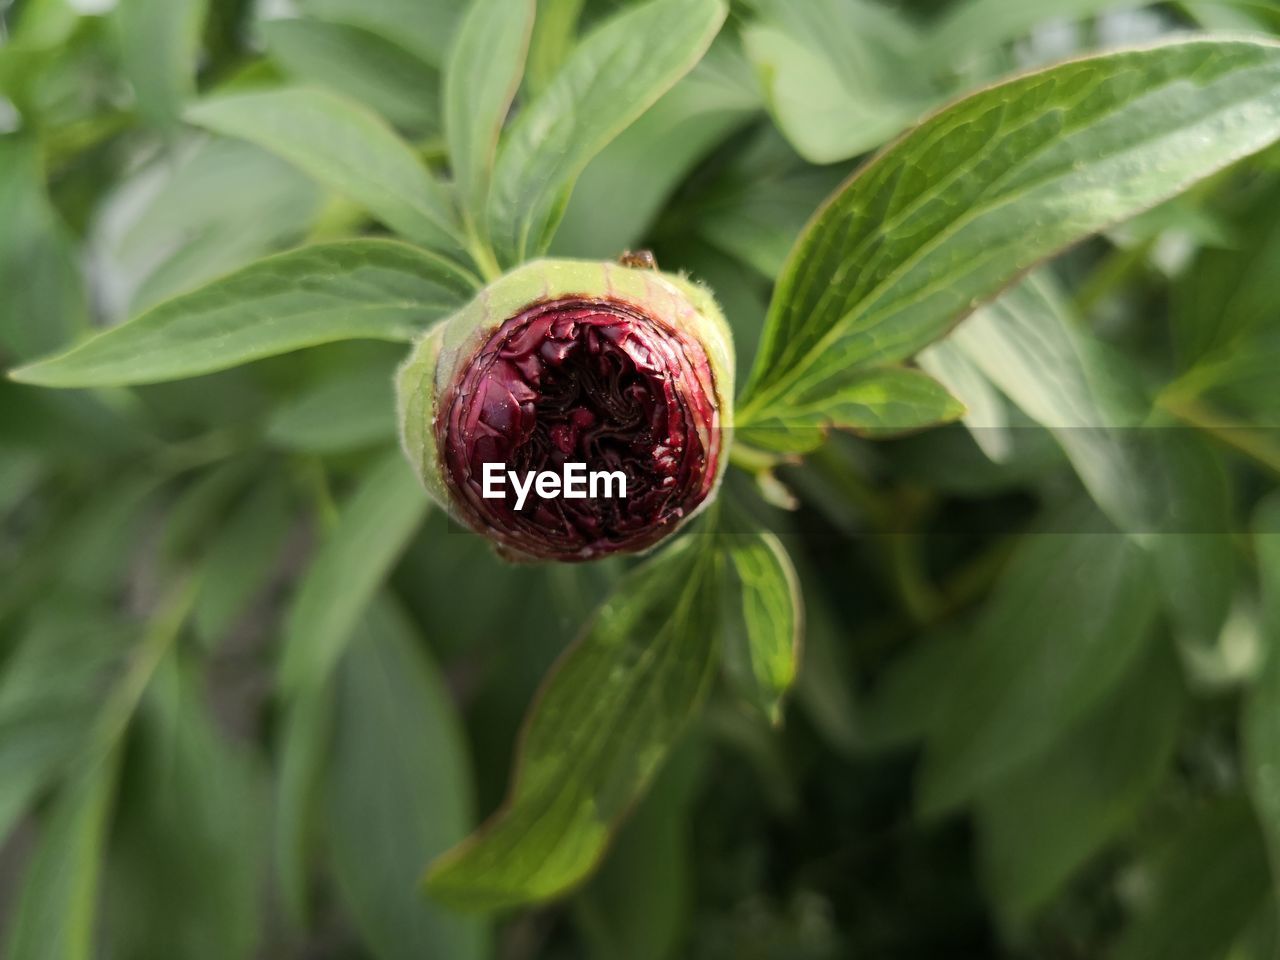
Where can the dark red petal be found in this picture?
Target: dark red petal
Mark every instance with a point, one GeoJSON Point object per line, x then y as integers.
{"type": "Point", "coordinates": [598, 382]}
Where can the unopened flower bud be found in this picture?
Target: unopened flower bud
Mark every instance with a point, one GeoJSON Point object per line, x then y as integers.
{"type": "Point", "coordinates": [622, 369]}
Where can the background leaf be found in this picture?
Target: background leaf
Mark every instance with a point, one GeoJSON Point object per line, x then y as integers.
{"type": "Point", "coordinates": [1205, 888]}
{"type": "Point", "coordinates": [613, 76]}
{"type": "Point", "coordinates": [344, 147]}
{"type": "Point", "coordinates": [1070, 618]}
{"type": "Point", "coordinates": [58, 908]}
{"type": "Point", "coordinates": [397, 791]}
{"type": "Point", "coordinates": [1260, 720]}
{"type": "Point", "coordinates": [1041, 825]}
{"type": "Point", "coordinates": [375, 289]}
{"type": "Point", "coordinates": [186, 867]}
{"type": "Point", "coordinates": [158, 43]}
{"type": "Point", "coordinates": [484, 69]}
{"type": "Point", "coordinates": [636, 174]}
{"type": "Point", "coordinates": [360, 64]}
{"type": "Point", "coordinates": [45, 304]}
{"type": "Point", "coordinates": [840, 76]}
{"type": "Point", "coordinates": [356, 557]}
{"type": "Point", "coordinates": [424, 26]}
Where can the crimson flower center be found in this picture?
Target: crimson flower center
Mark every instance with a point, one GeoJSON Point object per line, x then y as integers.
{"type": "Point", "coordinates": [591, 381]}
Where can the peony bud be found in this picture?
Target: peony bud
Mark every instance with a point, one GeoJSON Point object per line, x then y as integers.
{"type": "Point", "coordinates": [621, 369]}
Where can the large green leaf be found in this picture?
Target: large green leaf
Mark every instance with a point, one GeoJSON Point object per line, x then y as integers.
{"type": "Point", "coordinates": [601, 726]}
{"type": "Point", "coordinates": [1260, 722]}
{"type": "Point", "coordinates": [355, 558]}
{"type": "Point", "coordinates": [361, 65]}
{"type": "Point", "coordinates": [483, 73]}
{"type": "Point", "coordinates": [159, 40]}
{"type": "Point", "coordinates": [372, 289]}
{"type": "Point", "coordinates": [762, 641]}
{"type": "Point", "coordinates": [397, 791]}
{"type": "Point", "coordinates": [615, 74]}
{"type": "Point", "coordinates": [1069, 618]}
{"type": "Point", "coordinates": [1048, 819]}
{"type": "Point", "coordinates": [959, 207]}
{"type": "Point", "coordinates": [345, 147]}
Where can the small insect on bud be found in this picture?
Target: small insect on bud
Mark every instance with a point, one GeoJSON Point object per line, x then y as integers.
{"type": "Point", "coordinates": [573, 410]}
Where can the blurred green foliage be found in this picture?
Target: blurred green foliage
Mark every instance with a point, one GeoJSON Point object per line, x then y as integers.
{"type": "Point", "coordinates": [250, 685]}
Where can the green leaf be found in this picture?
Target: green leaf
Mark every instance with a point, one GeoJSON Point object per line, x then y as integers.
{"type": "Point", "coordinates": [397, 792]}
{"type": "Point", "coordinates": [1051, 817]}
{"type": "Point", "coordinates": [986, 412]}
{"type": "Point", "coordinates": [185, 874]}
{"type": "Point", "coordinates": [242, 555]}
{"type": "Point", "coordinates": [597, 733]}
{"type": "Point", "coordinates": [303, 747]}
{"type": "Point", "coordinates": [44, 303]}
{"type": "Point", "coordinates": [56, 913]}
{"type": "Point", "coordinates": [958, 208]}
{"type": "Point", "coordinates": [346, 411]}
{"type": "Point", "coordinates": [762, 652]}
{"type": "Point", "coordinates": [1260, 719]}
{"type": "Point", "coordinates": [372, 289]}
{"type": "Point", "coordinates": [423, 26]}
{"type": "Point", "coordinates": [763, 204]}
{"type": "Point", "coordinates": [53, 682]}
{"type": "Point", "coordinates": [1069, 618]}
{"type": "Point", "coordinates": [359, 64]}
{"type": "Point", "coordinates": [375, 525]}
{"type": "Point", "coordinates": [554, 32]}
{"type": "Point", "coordinates": [195, 512]}
{"type": "Point", "coordinates": [1163, 486]}
{"type": "Point", "coordinates": [1203, 889]}
{"type": "Point", "coordinates": [907, 701]}
{"type": "Point", "coordinates": [483, 73]}
{"type": "Point", "coordinates": [616, 73]}
{"type": "Point", "coordinates": [159, 41]}
{"type": "Point", "coordinates": [345, 147]}
{"type": "Point", "coordinates": [978, 26]}
{"type": "Point", "coordinates": [840, 76]}
{"type": "Point", "coordinates": [635, 175]}
{"type": "Point", "coordinates": [1229, 294]}
{"type": "Point", "coordinates": [20, 473]}
{"type": "Point", "coordinates": [223, 204]}
{"type": "Point", "coordinates": [877, 402]}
